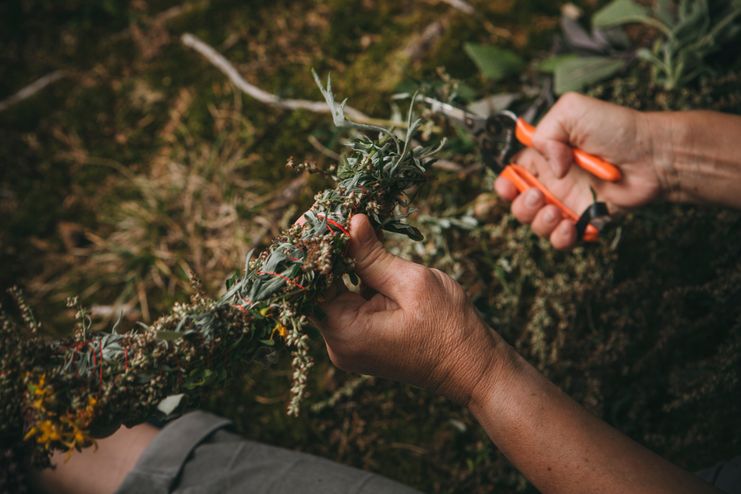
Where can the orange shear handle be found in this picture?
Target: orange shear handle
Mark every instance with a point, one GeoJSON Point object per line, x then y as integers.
{"type": "Point", "coordinates": [604, 170]}
{"type": "Point", "coordinates": [523, 180]}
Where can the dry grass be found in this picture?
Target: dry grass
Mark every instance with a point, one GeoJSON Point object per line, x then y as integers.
{"type": "Point", "coordinates": [159, 167]}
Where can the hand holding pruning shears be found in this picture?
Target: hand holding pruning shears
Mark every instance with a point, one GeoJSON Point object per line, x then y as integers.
{"type": "Point", "coordinates": [546, 190]}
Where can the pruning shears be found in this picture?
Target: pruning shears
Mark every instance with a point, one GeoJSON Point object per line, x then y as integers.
{"type": "Point", "coordinates": [501, 135]}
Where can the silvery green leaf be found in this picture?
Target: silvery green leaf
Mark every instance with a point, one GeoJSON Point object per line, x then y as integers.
{"type": "Point", "coordinates": [577, 37]}
{"type": "Point", "coordinates": [694, 21]}
{"type": "Point", "coordinates": [619, 12]}
{"type": "Point", "coordinates": [337, 110]}
{"type": "Point", "coordinates": [615, 36]}
{"type": "Point", "coordinates": [647, 55]}
{"type": "Point", "coordinates": [578, 73]}
{"type": "Point", "coordinates": [493, 62]}
{"type": "Point", "coordinates": [169, 404]}
{"type": "Point", "coordinates": [665, 12]}
{"type": "Point", "coordinates": [397, 226]}
{"type": "Point", "coordinates": [549, 64]}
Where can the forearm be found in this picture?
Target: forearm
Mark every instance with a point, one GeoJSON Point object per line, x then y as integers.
{"type": "Point", "coordinates": [98, 469]}
{"type": "Point", "coordinates": [558, 445]}
{"type": "Point", "coordinates": [697, 156]}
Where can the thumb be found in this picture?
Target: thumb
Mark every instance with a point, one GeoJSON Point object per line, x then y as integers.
{"type": "Point", "coordinates": [554, 135]}
{"type": "Point", "coordinates": [378, 269]}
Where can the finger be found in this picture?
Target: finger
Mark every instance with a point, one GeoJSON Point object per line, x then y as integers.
{"type": "Point", "coordinates": [564, 235]}
{"type": "Point", "coordinates": [546, 220]}
{"type": "Point", "coordinates": [554, 134]}
{"type": "Point", "coordinates": [378, 269]}
{"type": "Point", "coordinates": [301, 219]}
{"type": "Point", "coordinates": [333, 291]}
{"type": "Point", "coordinates": [527, 205]}
{"type": "Point", "coordinates": [559, 156]}
{"type": "Point", "coordinates": [505, 189]}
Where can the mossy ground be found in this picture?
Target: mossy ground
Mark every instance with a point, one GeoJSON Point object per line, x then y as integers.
{"type": "Point", "coordinates": [144, 160]}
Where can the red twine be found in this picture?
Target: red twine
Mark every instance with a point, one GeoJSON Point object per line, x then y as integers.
{"type": "Point", "coordinates": [242, 308]}
{"type": "Point", "coordinates": [283, 277]}
{"type": "Point", "coordinates": [335, 224]}
{"type": "Point", "coordinates": [100, 368]}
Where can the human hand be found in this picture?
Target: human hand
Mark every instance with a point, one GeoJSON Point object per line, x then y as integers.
{"type": "Point", "coordinates": [418, 327]}
{"type": "Point", "coordinates": [620, 135]}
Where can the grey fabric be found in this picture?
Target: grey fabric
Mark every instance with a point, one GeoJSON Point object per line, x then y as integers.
{"type": "Point", "coordinates": [725, 476]}
{"type": "Point", "coordinates": [197, 454]}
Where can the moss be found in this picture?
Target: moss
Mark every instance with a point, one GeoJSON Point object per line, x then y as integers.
{"type": "Point", "coordinates": [646, 334]}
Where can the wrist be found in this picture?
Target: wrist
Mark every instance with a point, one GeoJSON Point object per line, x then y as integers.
{"type": "Point", "coordinates": [501, 364]}
{"type": "Point", "coordinates": [665, 131]}
{"type": "Point", "coordinates": [694, 156]}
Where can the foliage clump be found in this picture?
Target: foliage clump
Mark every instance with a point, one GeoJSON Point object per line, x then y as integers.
{"type": "Point", "coordinates": [60, 394]}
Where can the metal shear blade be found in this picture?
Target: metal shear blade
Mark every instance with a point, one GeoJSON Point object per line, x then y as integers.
{"type": "Point", "coordinates": [494, 135]}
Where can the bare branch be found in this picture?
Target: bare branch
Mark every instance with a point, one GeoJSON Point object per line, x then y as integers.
{"type": "Point", "coordinates": [261, 95]}
{"type": "Point", "coordinates": [461, 5]}
{"type": "Point", "coordinates": [31, 89]}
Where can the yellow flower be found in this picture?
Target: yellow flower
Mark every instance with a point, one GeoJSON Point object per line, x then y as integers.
{"type": "Point", "coordinates": [280, 329]}
{"type": "Point", "coordinates": [48, 433]}
{"type": "Point", "coordinates": [39, 388]}
{"type": "Point", "coordinates": [31, 432]}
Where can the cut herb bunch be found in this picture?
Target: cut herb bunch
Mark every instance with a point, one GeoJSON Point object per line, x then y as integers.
{"type": "Point", "coordinates": [60, 394]}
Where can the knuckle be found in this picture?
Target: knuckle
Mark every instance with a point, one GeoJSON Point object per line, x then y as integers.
{"type": "Point", "coordinates": [371, 256]}
{"type": "Point", "coordinates": [457, 294]}
{"type": "Point", "coordinates": [521, 213]}
{"type": "Point", "coordinates": [569, 98]}
{"type": "Point", "coordinates": [452, 289]}
{"type": "Point", "coordinates": [419, 277]}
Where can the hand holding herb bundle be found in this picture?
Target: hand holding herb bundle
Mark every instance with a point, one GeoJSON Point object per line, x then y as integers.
{"type": "Point", "coordinates": [57, 395]}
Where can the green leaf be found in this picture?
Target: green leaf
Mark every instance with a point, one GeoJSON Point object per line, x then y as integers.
{"type": "Point", "coordinates": [619, 12]}
{"type": "Point", "coordinates": [664, 11]}
{"type": "Point", "coordinates": [576, 74]}
{"type": "Point", "coordinates": [549, 64]}
{"type": "Point", "coordinates": [198, 378]}
{"type": "Point", "coordinates": [465, 92]}
{"type": "Point", "coordinates": [493, 62]}
{"type": "Point", "coordinates": [693, 23]}
{"type": "Point", "coordinates": [396, 226]}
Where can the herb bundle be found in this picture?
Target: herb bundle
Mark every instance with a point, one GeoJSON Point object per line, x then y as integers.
{"type": "Point", "coordinates": [60, 394]}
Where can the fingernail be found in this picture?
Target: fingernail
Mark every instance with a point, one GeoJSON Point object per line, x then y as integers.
{"type": "Point", "coordinates": [532, 198]}
{"type": "Point", "coordinates": [549, 215]}
{"type": "Point", "coordinates": [364, 233]}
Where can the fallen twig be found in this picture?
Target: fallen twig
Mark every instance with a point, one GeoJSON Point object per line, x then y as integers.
{"type": "Point", "coordinates": [218, 60]}
{"type": "Point", "coordinates": [31, 89]}
{"type": "Point", "coordinates": [461, 5]}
